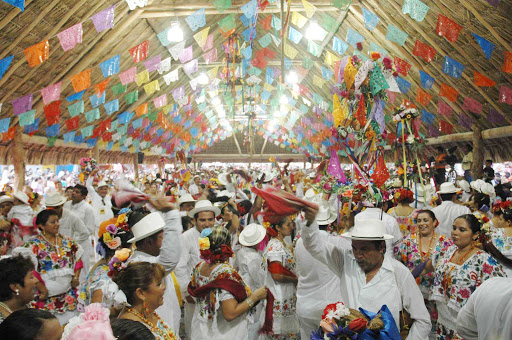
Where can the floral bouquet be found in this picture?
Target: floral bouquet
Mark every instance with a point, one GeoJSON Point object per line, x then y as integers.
{"type": "Point", "coordinates": [120, 260]}
{"type": "Point", "coordinates": [485, 229]}
{"type": "Point", "coordinates": [342, 323]}
{"type": "Point", "coordinates": [88, 165]}
{"type": "Point", "coordinates": [405, 112]}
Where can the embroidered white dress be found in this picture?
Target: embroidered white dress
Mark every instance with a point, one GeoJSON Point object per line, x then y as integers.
{"type": "Point", "coordinates": [503, 243]}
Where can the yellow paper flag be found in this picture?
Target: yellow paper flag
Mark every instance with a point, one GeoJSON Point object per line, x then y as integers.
{"type": "Point", "coordinates": [212, 74]}
{"type": "Point", "coordinates": [310, 9]}
{"type": "Point", "coordinates": [290, 52]}
{"type": "Point", "coordinates": [268, 87]}
{"type": "Point", "coordinates": [350, 74]}
{"type": "Point", "coordinates": [330, 58]}
{"type": "Point", "coordinates": [142, 78]}
{"type": "Point", "coordinates": [298, 19]}
{"type": "Point", "coordinates": [337, 113]}
{"type": "Point", "coordinates": [318, 81]}
{"type": "Point", "coordinates": [152, 87]}
{"type": "Point", "coordinates": [202, 36]}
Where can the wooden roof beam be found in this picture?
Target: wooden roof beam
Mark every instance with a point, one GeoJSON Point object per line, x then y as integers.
{"type": "Point", "coordinates": [12, 14]}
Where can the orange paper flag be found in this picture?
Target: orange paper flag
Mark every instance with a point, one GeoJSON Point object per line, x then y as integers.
{"type": "Point", "coordinates": [507, 64]}
{"type": "Point", "coordinates": [448, 92]}
{"type": "Point", "coordinates": [423, 97]}
{"type": "Point", "coordinates": [37, 53]}
{"type": "Point", "coordinates": [350, 74]}
{"type": "Point", "coordinates": [142, 109]}
{"type": "Point", "coordinates": [100, 87]}
{"type": "Point", "coordinates": [81, 81]}
{"type": "Point", "coordinates": [483, 81]}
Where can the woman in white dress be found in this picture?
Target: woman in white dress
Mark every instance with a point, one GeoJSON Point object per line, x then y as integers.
{"type": "Point", "coordinates": [279, 265]}
{"type": "Point", "coordinates": [223, 300]}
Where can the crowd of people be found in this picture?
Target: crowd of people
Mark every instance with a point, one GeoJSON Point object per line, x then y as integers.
{"type": "Point", "coordinates": [218, 254]}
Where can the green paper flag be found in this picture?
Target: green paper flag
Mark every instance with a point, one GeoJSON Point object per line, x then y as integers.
{"type": "Point", "coordinates": [92, 115]}
{"type": "Point", "coordinates": [228, 22]}
{"type": "Point", "coordinates": [342, 5]}
{"type": "Point", "coordinates": [153, 116]}
{"type": "Point", "coordinates": [27, 118]}
{"type": "Point", "coordinates": [313, 48]}
{"type": "Point", "coordinates": [307, 63]}
{"type": "Point", "coordinates": [222, 5]}
{"type": "Point", "coordinates": [377, 81]}
{"type": "Point", "coordinates": [329, 23]}
{"type": "Point", "coordinates": [118, 89]}
{"type": "Point", "coordinates": [76, 108]}
{"type": "Point", "coordinates": [131, 97]}
{"type": "Point", "coordinates": [51, 141]}
{"type": "Point", "coordinates": [122, 130]}
{"type": "Point", "coordinates": [87, 131]}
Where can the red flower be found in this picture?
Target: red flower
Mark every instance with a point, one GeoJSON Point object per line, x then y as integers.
{"type": "Point", "coordinates": [358, 325]}
{"type": "Point", "coordinates": [487, 268]}
{"type": "Point", "coordinates": [465, 293]}
{"type": "Point", "coordinates": [329, 308]}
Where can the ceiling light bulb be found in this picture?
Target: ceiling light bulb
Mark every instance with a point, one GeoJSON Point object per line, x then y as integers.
{"type": "Point", "coordinates": [203, 79]}
{"type": "Point", "coordinates": [314, 31]}
{"type": "Point", "coordinates": [283, 100]}
{"type": "Point", "coordinates": [175, 33]}
{"type": "Point", "coordinates": [292, 78]}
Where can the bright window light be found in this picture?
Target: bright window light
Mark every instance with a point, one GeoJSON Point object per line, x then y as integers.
{"type": "Point", "coordinates": [203, 79]}
{"type": "Point", "coordinates": [283, 100]}
{"type": "Point", "coordinates": [216, 101]}
{"type": "Point", "coordinates": [314, 31]}
{"type": "Point", "coordinates": [175, 33]}
{"type": "Point", "coordinates": [292, 78]}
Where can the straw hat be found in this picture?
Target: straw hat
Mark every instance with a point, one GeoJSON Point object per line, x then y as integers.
{"type": "Point", "coordinates": [476, 185]}
{"type": "Point", "coordinates": [447, 188]}
{"type": "Point", "coordinates": [464, 185]}
{"type": "Point", "coordinates": [326, 213]}
{"type": "Point", "coordinates": [488, 189]}
{"type": "Point", "coordinates": [186, 198]}
{"type": "Point", "coordinates": [54, 199]}
{"type": "Point", "coordinates": [149, 225]}
{"type": "Point", "coordinates": [368, 230]}
{"type": "Point", "coordinates": [203, 205]}
{"type": "Point", "coordinates": [252, 235]}
{"type": "Point", "coordinates": [20, 195]}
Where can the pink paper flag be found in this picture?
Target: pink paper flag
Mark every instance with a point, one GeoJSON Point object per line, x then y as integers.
{"type": "Point", "coordinates": [128, 76]}
{"type": "Point", "coordinates": [191, 67]}
{"type": "Point", "coordinates": [160, 101]}
{"type": "Point", "coordinates": [22, 104]}
{"type": "Point", "coordinates": [104, 20]}
{"type": "Point", "coordinates": [444, 109]}
{"type": "Point", "coordinates": [472, 105]}
{"type": "Point", "coordinates": [391, 96]}
{"type": "Point", "coordinates": [51, 93]}
{"type": "Point", "coordinates": [209, 43]}
{"type": "Point", "coordinates": [506, 95]}
{"type": "Point", "coordinates": [153, 64]}
{"type": "Point", "coordinates": [186, 55]}
{"type": "Point", "coordinates": [70, 37]}
{"type": "Point", "coordinates": [210, 56]}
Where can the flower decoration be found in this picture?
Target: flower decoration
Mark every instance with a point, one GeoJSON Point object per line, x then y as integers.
{"type": "Point", "coordinates": [403, 194]}
{"type": "Point", "coordinates": [120, 260]}
{"type": "Point", "coordinates": [88, 165]}
{"type": "Point", "coordinates": [485, 229]}
{"type": "Point", "coordinates": [204, 243]}
{"type": "Point", "coordinates": [403, 112]}
{"type": "Point", "coordinates": [501, 206]}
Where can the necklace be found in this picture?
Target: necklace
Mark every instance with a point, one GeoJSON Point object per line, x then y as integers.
{"type": "Point", "coordinates": [57, 248]}
{"type": "Point", "coordinates": [4, 306]}
{"type": "Point", "coordinates": [166, 333]}
{"type": "Point", "coordinates": [464, 257]}
{"type": "Point", "coordinates": [427, 255]}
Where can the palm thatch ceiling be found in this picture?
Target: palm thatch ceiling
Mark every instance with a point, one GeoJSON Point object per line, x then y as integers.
{"type": "Point", "coordinates": [193, 123]}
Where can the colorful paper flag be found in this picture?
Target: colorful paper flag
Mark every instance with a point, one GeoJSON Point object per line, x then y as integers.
{"type": "Point", "coordinates": [395, 34]}
{"type": "Point", "coordinates": [486, 46]}
{"type": "Point", "coordinates": [104, 20]}
{"type": "Point", "coordinates": [427, 81]}
{"type": "Point", "coordinates": [51, 93]}
{"type": "Point", "coordinates": [506, 95]}
{"type": "Point", "coordinates": [416, 9]}
{"type": "Point", "coordinates": [16, 3]}
{"type": "Point", "coordinates": [111, 66]}
{"type": "Point", "coordinates": [445, 127]}
{"type": "Point", "coordinates": [452, 67]}
{"type": "Point", "coordinates": [483, 81]}
{"type": "Point", "coordinates": [4, 65]}
{"type": "Point", "coordinates": [447, 28]}
{"type": "Point", "coordinates": [27, 118]}
{"type": "Point", "coordinates": [52, 130]}
{"type": "Point", "coordinates": [37, 53]}
{"type": "Point", "coordinates": [465, 121]}
{"type": "Point", "coordinates": [81, 81]}
{"type": "Point", "coordinates": [423, 97]}
{"type": "Point", "coordinates": [495, 117]}
{"type": "Point", "coordinates": [448, 92]}
{"type": "Point", "coordinates": [370, 19]}
{"type": "Point", "coordinates": [112, 106]}
{"type": "Point", "coordinates": [22, 104]}
{"type": "Point", "coordinates": [444, 109]}
{"type": "Point", "coordinates": [70, 37]}
{"type": "Point", "coordinates": [196, 20]}
{"type": "Point", "coordinates": [472, 105]}
{"type": "Point", "coordinates": [139, 52]}
{"type": "Point", "coordinates": [424, 51]}
{"type": "Point", "coordinates": [507, 64]}
{"type": "Point", "coordinates": [76, 108]}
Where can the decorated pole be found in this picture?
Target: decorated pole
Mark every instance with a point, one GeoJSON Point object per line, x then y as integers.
{"type": "Point", "coordinates": [478, 152]}
{"type": "Point", "coordinates": [18, 156]}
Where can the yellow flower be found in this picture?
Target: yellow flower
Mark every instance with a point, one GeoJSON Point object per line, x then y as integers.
{"type": "Point", "coordinates": [106, 237]}
{"type": "Point", "coordinates": [121, 219]}
{"type": "Point", "coordinates": [204, 243]}
{"type": "Point", "coordinates": [266, 225]}
{"type": "Point", "coordinates": [123, 254]}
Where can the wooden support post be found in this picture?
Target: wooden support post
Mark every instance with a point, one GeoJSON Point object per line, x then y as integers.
{"type": "Point", "coordinates": [136, 167]}
{"type": "Point", "coordinates": [96, 153]}
{"type": "Point", "coordinates": [478, 153]}
{"type": "Point", "coordinates": [18, 157]}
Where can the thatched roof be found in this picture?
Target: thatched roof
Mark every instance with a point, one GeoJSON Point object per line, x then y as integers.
{"type": "Point", "coordinates": [43, 20]}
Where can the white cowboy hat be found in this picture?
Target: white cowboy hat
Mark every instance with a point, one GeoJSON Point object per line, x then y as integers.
{"type": "Point", "coordinates": [269, 176]}
{"type": "Point", "coordinates": [464, 185]}
{"type": "Point", "coordinates": [149, 225]}
{"type": "Point", "coordinates": [54, 199]}
{"type": "Point", "coordinates": [203, 205]}
{"type": "Point", "coordinates": [477, 184]}
{"type": "Point", "coordinates": [5, 198]}
{"type": "Point", "coordinates": [225, 193]}
{"type": "Point", "coordinates": [252, 235]}
{"type": "Point", "coordinates": [368, 230]}
{"type": "Point", "coordinates": [310, 195]}
{"type": "Point", "coordinates": [326, 213]}
{"type": "Point", "coordinates": [418, 191]}
{"type": "Point", "coordinates": [223, 178]}
{"type": "Point", "coordinates": [447, 188]}
{"type": "Point", "coordinates": [102, 184]}
{"type": "Point", "coordinates": [20, 195]}
{"type": "Point", "coordinates": [186, 198]}
{"type": "Point", "coordinates": [488, 189]}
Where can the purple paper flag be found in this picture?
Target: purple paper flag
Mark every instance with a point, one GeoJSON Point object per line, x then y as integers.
{"type": "Point", "coordinates": [209, 43]}
{"type": "Point", "coordinates": [186, 55]}
{"type": "Point", "coordinates": [22, 104]}
{"type": "Point", "coordinates": [494, 3]}
{"type": "Point", "coordinates": [495, 117]}
{"type": "Point", "coordinates": [51, 93]}
{"type": "Point", "coordinates": [177, 93]}
{"type": "Point", "coordinates": [70, 37]}
{"type": "Point", "coordinates": [153, 64]}
{"type": "Point", "coordinates": [191, 67]}
{"type": "Point", "coordinates": [160, 101]}
{"type": "Point", "coordinates": [465, 121]}
{"type": "Point", "coordinates": [433, 131]}
{"type": "Point", "coordinates": [104, 20]}
{"type": "Point", "coordinates": [472, 105]}
{"type": "Point", "coordinates": [128, 76]}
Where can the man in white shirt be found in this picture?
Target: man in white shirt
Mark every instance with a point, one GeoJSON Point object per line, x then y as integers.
{"type": "Point", "coordinates": [390, 223]}
{"type": "Point", "coordinates": [448, 211]}
{"type": "Point", "coordinates": [487, 315]}
{"type": "Point", "coordinates": [194, 189]}
{"type": "Point", "coordinates": [204, 215]}
{"type": "Point", "coordinates": [157, 238]}
{"type": "Point", "coordinates": [368, 278]}
{"type": "Point", "coordinates": [101, 201]}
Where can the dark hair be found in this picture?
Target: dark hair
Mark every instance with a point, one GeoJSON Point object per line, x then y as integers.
{"type": "Point", "coordinates": [380, 243]}
{"type": "Point", "coordinates": [507, 214]}
{"type": "Point", "coordinates": [25, 324]}
{"type": "Point", "coordinates": [69, 188]}
{"type": "Point", "coordinates": [244, 207]}
{"type": "Point", "coordinates": [197, 214]}
{"type": "Point", "coordinates": [481, 199]}
{"type": "Point", "coordinates": [488, 161]}
{"type": "Point", "coordinates": [44, 215]}
{"type": "Point", "coordinates": [447, 197]}
{"type": "Point", "coordinates": [429, 212]}
{"type": "Point", "coordinates": [125, 329]}
{"type": "Point", "coordinates": [137, 275]}
{"type": "Point", "coordinates": [13, 270]}
{"type": "Point", "coordinates": [469, 147]}
{"type": "Point", "coordinates": [185, 221]}
{"type": "Point", "coordinates": [439, 148]}
{"type": "Point", "coordinates": [135, 217]}
{"type": "Point", "coordinates": [472, 221]}
{"type": "Point", "coordinates": [83, 190]}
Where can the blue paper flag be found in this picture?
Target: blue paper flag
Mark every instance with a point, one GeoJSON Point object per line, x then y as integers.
{"type": "Point", "coordinates": [125, 117]}
{"type": "Point", "coordinates": [370, 19]}
{"type": "Point", "coordinates": [69, 137]}
{"type": "Point", "coordinates": [4, 65]}
{"type": "Point", "coordinates": [427, 81]}
{"type": "Point", "coordinates": [452, 67]}
{"type": "Point", "coordinates": [112, 106]}
{"type": "Point", "coordinates": [4, 124]}
{"type": "Point", "coordinates": [123, 148]}
{"type": "Point", "coordinates": [269, 78]}
{"type": "Point", "coordinates": [109, 146]}
{"type": "Point", "coordinates": [91, 142]}
{"type": "Point", "coordinates": [97, 101]}
{"type": "Point", "coordinates": [247, 52]}
{"type": "Point", "coordinates": [137, 123]}
{"type": "Point", "coordinates": [486, 46]}
{"type": "Point", "coordinates": [353, 37]}
{"type": "Point", "coordinates": [403, 84]}
{"type": "Point", "coordinates": [111, 66]}
{"type": "Point", "coordinates": [79, 139]}
{"type": "Point", "coordinates": [196, 20]}
{"type": "Point", "coordinates": [246, 34]}
{"type": "Point", "coordinates": [16, 3]}
{"type": "Point", "coordinates": [52, 130]}
{"type": "Point", "coordinates": [339, 45]}
{"type": "Point", "coordinates": [427, 117]}
{"type": "Point", "coordinates": [294, 35]}
{"type": "Point", "coordinates": [287, 63]}
{"type": "Point", "coordinates": [265, 95]}
{"type": "Point", "coordinates": [249, 9]}
{"type": "Point", "coordinates": [76, 96]}
{"type": "Point", "coordinates": [246, 21]}
{"type": "Point", "coordinates": [32, 127]}
{"type": "Point", "coordinates": [187, 124]}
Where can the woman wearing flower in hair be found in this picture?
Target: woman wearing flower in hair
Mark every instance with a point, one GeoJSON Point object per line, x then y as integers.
{"type": "Point", "coordinates": [501, 234]}
{"type": "Point", "coordinates": [58, 263]}
{"type": "Point", "coordinates": [403, 213]}
{"type": "Point", "coordinates": [459, 270]}
{"type": "Point", "coordinates": [279, 265]}
{"type": "Point", "coordinates": [98, 286]}
{"type": "Point", "coordinates": [143, 285]}
{"type": "Point", "coordinates": [416, 248]}
{"type": "Point", "coordinates": [223, 300]}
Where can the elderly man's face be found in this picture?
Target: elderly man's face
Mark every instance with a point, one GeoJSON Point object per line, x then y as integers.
{"type": "Point", "coordinates": [368, 255]}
